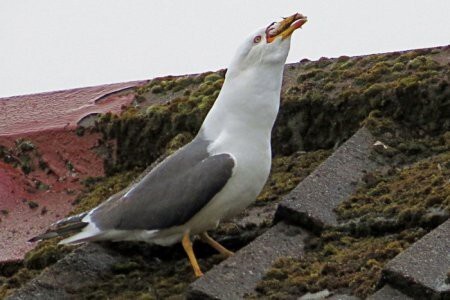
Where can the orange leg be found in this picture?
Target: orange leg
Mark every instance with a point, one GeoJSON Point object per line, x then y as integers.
{"type": "Point", "coordinates": [187, 245]}
{"type": "Point", "coordinates": [207, 239]}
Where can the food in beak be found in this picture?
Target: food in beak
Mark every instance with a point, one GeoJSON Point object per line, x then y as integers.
{"type": "Point", "coordinates": [285, 27]}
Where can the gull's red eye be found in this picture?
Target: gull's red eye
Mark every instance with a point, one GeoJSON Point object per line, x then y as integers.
{"type": "Point", "coordinates": [257, 39]}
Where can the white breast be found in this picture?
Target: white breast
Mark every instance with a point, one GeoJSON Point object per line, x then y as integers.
{"type": "Point", "coordinates": [251, 151]}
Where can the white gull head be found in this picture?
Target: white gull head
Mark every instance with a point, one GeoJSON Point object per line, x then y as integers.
{"type": "Point", "coordinates": [268, 47]}
{"type": "Point", "coordinates": [249, 99]}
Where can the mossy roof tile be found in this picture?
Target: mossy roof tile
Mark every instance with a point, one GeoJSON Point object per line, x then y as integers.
{"type": "Point", "coordinates": [313, 201]}
{"type": "Point", "coordinates": [238, 275]}
{"type": "Point", "coordinates": [388, 292]}
{"type": "Point", "coordinates": [422, 269]}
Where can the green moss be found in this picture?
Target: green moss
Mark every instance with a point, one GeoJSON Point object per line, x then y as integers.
{"type": "Point", "coordinates": [404, 144]}
{"type": "Point", "coordinates": [44, 255]}
{"type": "Point", "coordinates": [213, 77]}
{"type": "Point", "coordinates": [156, 109]}
{"type": "Point", "coordinates": [374, 90]}
{"type": "Point", "coordinates": [315, 74]}
{"type": "Point", "coordinates": [24, 145]}
{"type": "Point", "coordinates": [31, 204]}
{"type": "Point", "coordinates": [103, 189]}
{"type": "Point", "coordinates": [178, 141]}
{"type": "Point", "coordinates": [80, 131]}
{"type": "Point", "coordinates": [374, 82]}
{"type": "Point", "coordinates": [70, 166]}
{"type": "Point", "coordinates": [288, 171]}
{"type": "Point", "coordinates": [339, 262]}
{"type": "Point", "coordinates": [23, 155]}
{"type": "Point", "coordinates": [144, 136]}
{"type": "Point", "coordinates": [126, 267]}
{"type": "Point", "coordinates": [170, 86]}
{"type": "Point", "coordinates": [41, 186]}
{"type": "Point", "coordinates": [26, 166]}
{"type": "Point", "coordinates": [184, 81]}
{"type": "Point", "coordinates": [422, 63]}
{"type": "Point", "coordinates": [374, 74]}
{"type": "Point", "coordinates": [414, 196]}
{"type": "Point", "coordinates": [8, 284]}
{"type": "Point", "coordinates": [329, 87]}
{"type": "Point", "coordinates": [148, 274]}
{"type": "Point", "coordinates": [399, 66]}
{"type": "Point", "coordinates": [157, 89]}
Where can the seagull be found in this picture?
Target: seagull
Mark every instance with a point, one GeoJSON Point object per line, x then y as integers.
{"type": "Point", "coordinates": [214, 177]}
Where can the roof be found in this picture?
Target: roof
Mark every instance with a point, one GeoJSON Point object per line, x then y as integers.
{"type": "Point", "coordinates": [59, 109]}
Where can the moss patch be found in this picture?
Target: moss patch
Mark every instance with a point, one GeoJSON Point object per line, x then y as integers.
{"type": "Point", "coordinates": [415, 196]}
{"type": "Point", "coordinates": [23, 155]}
{"type": "Point", "coordinates": [101, 189]}
{"type": "Point", "coordinates": [288, 171]}
{"type": "Point", "coordinates": [150, 273]}
{"type": "Point", "coordinates": [9, 283]}
{"type": "Point", "coordinates": [44, 255]}
{"type": "Point", "coordinates": [328, 100]}
{"type": "Point", "coordinates": [144, 135]}
{"type": "Point", "coordinates": [335, 262]}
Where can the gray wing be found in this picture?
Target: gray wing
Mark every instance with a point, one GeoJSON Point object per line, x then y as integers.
{"type": "Point", "coordinates": [170, 194]}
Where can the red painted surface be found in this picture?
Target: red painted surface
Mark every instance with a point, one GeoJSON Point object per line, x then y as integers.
{"type": "Point", "coordinates": [49, 120]}
{"type": "Point", "coordinates": [60, 109]}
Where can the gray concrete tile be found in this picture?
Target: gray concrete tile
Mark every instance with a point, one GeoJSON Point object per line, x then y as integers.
{"type": "Point", "coordinates": [239, 274]}
{"type": "Point", "coordinates": [61, 281]}
{"type": "Point", "coordinates": [422, 268]}
{"type": "Point", "coordinates": [387, 292]}
{"type": "Point", "coordinates": [312, 202]}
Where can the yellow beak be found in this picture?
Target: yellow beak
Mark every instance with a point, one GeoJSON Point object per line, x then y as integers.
{"type": "Point", "coordinates": [285, 27]}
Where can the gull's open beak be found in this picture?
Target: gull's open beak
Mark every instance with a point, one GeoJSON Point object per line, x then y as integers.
{"type": "Point", "coordinates": [285, 27]}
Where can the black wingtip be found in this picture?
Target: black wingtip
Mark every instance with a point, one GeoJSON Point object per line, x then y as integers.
{"type": "Point", "coordinates": [45, 236]}
{"type": "Point", "coordinates": [34, 239]}
{"type": "Point", "coordinates": [68, 225]}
